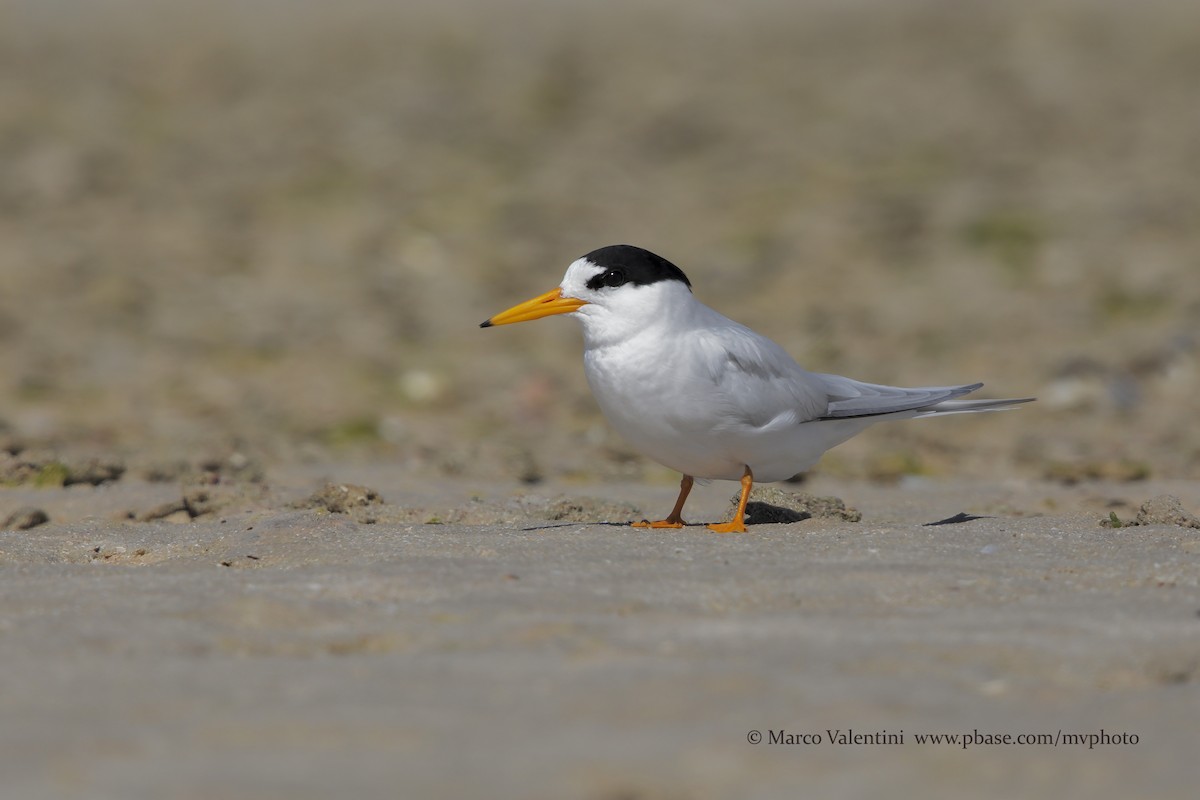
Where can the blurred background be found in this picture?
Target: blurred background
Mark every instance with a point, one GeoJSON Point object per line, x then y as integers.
{"type": "Point", "coordinates": [274, 226]}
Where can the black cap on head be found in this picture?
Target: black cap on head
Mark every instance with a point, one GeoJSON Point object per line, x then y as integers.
{"type": "Point", "coordinates": [624, 263]}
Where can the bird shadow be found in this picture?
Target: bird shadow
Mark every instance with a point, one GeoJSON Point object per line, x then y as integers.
{"type": "Point", "coordinates": [757, 513]}
{"type": "Point", "coordinates": [961, 516]}
{"type": "Point", "coordinates": [612, 525]}
{"type": "Point", "coordinates": [760, 513]}
{"type": "Point", "coordinates": [575, 524]}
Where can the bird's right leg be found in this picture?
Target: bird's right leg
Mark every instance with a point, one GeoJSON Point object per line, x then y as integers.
{"type": "Point", "coordinates": [675, 518]}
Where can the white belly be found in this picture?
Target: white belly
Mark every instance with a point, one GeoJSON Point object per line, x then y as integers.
{"type": "Point", "coordinates": [671, 415]}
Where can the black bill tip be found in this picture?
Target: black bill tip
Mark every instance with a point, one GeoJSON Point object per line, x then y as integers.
{"type": "Point", "coordinates": [487, 323]}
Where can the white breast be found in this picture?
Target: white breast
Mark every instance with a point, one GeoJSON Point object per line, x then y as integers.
{"type": "Point", "coordinates": [660, 407]}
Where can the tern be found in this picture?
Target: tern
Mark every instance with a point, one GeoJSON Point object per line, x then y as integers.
{"type": "Point", "coordinates": [704, 395]}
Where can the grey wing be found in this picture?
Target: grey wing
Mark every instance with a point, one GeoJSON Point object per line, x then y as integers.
{"type": "Point", "coordinates": [760, 385]}
{"type": "Point", "coordinates": [757, 382]}
{"type": "Point", "coordinates": [851, 398]}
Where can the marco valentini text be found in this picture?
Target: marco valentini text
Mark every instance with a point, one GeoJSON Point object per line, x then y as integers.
{"type": "Point", "coordinates": [963, 740]}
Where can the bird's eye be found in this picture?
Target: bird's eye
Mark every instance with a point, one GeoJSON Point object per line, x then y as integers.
{"type": "Point", "coordinates": [610, 278]}
{"type": "Point", "coordinates": [614, 277]}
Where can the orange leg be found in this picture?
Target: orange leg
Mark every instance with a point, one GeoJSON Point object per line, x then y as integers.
{"type": "Point", "coordinates": [736, 525]}
{"type": "Point", "coordinates": [675, 518]}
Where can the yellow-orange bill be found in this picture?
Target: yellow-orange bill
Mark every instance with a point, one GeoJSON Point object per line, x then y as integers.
{"type": "Point", "coordinates": [544, 305]}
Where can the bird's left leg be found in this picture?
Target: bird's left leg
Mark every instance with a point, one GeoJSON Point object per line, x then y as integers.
{"type": "Point", "coordinates": [675, 518]}
{"type": "Point", "coordinates": [736, 525]}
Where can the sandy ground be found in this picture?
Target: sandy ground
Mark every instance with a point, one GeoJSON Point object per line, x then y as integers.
{"type": "Point", "coordinates": [277, 519]}
{"type": "Point", "coordinates": [265, 651]}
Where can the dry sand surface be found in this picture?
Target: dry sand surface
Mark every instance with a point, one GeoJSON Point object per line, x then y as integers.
{"type": "Point", "coordinates": [272, 651]}
{"type": "Point", "coordinates": [278, 520]}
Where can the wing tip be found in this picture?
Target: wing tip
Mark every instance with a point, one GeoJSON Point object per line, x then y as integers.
{"type": "Point", "coordinates": [943, 404]}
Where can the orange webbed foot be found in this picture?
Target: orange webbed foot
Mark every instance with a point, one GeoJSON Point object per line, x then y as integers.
{"type": "Point", "coordinates": [737, 524]}
{"type": "Point", "coordinates": [675, 518]}
{"type": "Point", "coordinates": [661, 523]}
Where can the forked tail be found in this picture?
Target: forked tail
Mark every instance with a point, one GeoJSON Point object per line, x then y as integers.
{"type": "Point", "coordinates": [850, 398]}
{"type": "Point", "coordinates": [971, 406]}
